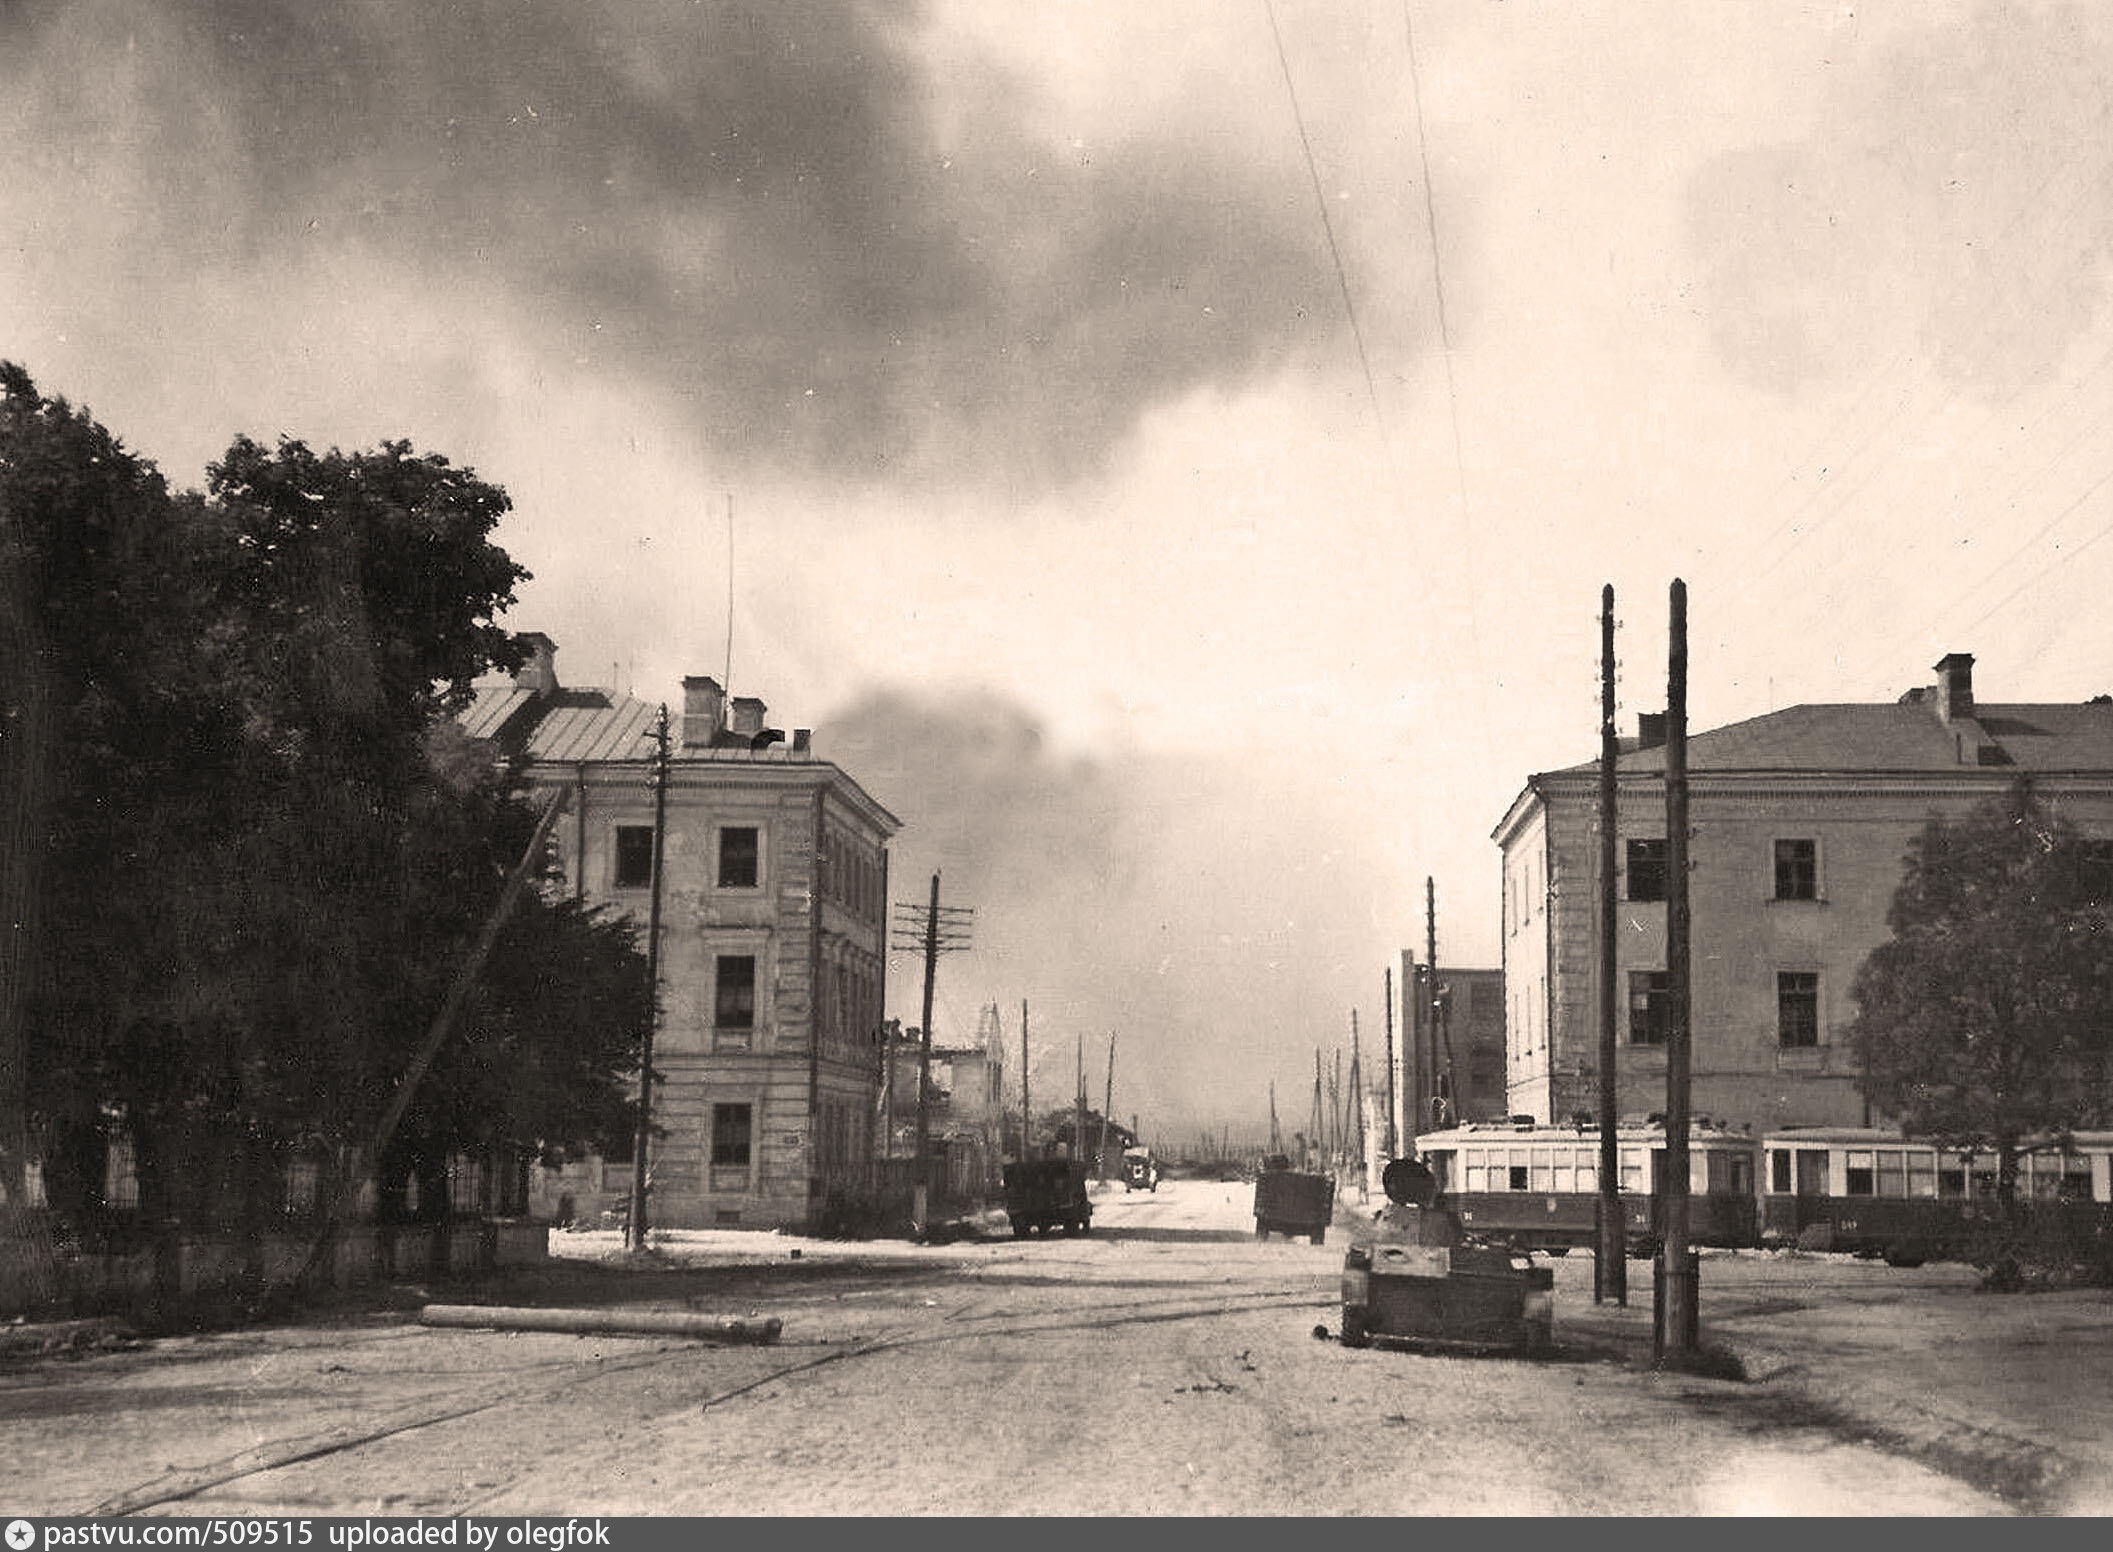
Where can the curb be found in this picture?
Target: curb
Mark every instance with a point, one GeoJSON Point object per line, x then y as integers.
{"type": "Point", "coordinates": [39, 1339]}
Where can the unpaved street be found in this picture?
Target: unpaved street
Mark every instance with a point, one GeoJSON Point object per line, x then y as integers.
{"type": "Point", "coordinates": [1165, 1364]}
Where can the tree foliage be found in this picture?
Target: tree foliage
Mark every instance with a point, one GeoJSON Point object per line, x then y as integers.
{"type": "Point", "coordinates": [1986, 1021]}
{"type": "Point", "coordinates": [248, 858]}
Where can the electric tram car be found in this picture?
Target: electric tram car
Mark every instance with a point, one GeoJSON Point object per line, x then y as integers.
{"type": "Point", "coordinates": [1877, 1193]}
{"type": "Point", "coordinates": [1536, 1187]}
{"type": "Point", "coordinates": [1857, 1189]}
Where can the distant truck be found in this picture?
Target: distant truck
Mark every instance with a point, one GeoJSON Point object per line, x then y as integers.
{"type": "Point", "coordinates": [1288, 1201]}
{"type": "Point", "coordinates": [1045, 1194]}
{"type": "Point", "coordinates": [1140, 1170]}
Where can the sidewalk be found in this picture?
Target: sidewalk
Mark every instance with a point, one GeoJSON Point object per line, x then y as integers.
{"type": "Point", "coordinates": [2012, 1392]}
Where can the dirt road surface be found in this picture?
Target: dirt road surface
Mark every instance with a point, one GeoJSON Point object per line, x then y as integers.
{"type": "Point", "coordinates": [1165, 1364]}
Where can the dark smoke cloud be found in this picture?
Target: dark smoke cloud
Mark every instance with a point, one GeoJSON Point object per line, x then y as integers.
{"type": "Point", "coordinates": [1215, 913]}
{"type": "Point", "coordinates": [753, 208]}
{"type": "Point", "coordinates": [1951, 205]}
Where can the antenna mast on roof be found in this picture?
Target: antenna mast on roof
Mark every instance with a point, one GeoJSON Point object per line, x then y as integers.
{"type": "Point", "coordinates": [728, 702]}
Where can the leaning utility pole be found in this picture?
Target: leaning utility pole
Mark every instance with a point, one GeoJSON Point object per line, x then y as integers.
{"type": "Point", "coordinates": [1676, 1308]}
{"type": "Point", "coordinates": [339, 1200]}
{"type": "Point", "coordinates": [635, 1224]}
{"type": "Point", "coordinates": [945, 929]}
{"type": "Point", "coordinates": [1610, 1272]}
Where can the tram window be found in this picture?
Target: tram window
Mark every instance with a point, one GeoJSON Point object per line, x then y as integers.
{"type": "Point", "coordinates": [1631, 1171]}
{"type": "Point", "coordinates": [1518, 1177]}
{"type": "Point", "coordinates": [1857, 1173]}
{"type": "Point", "coordinates": [1812, 1172]}
{"type": "Point", "coordinates": [1543, 1170]}
{"type": "Point", "coordinates": [1588, 1177]}
{"type": "Point", "coordinates": [1565, 1173]}
{"type": "Point", "coordinates": [1892, 1173]}
{"type": "Point", "coordinates": [1779, 1171]}
{"type": "Point", "coordinates": [1477, 1173]}
{"type": "Point", "coordinates": [2044, 1178]}
{"type": "Point", "coordinates": [1728, 1174]}
{"type": "Point", "coordinates": [1922, 1174]}
{"type": "Point", "coordinates": [1951, 1180]}
{"type": "Point", "coordinates": [2076, 1180]}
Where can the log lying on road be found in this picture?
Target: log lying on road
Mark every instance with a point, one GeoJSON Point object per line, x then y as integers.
{"type": "Point", "coordinates": [593, 1322]}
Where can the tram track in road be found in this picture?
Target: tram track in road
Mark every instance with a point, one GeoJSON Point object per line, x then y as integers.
{"type": "Point", "coordinates": [971, 1319]}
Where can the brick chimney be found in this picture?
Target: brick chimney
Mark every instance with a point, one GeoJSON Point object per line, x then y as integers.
{"type": "Point", "coordinates": [540, 672]}
{"type": "Point", "coordinates": [748, 716]}
{"type": "Point", "coordinates": [1955, 687]}
{"type": "Point", "coordinates": [1650, 729]}
{"type": "Point", "coordinates": [703, 704]}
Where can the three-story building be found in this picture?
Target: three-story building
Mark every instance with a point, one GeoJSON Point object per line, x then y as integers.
{"type": "Point", "coordinates": [773, 939]}
{"type": "Point", "coordinates": [1800, 823]}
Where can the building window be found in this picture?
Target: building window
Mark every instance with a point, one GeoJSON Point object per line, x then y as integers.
{"type": "Point", "coordinates": [731, 1134]}
{"type": "Point", "coordinates": [1797, 1008]}
{"type": "Point", "coordinates": [1647, 875]}
{"type": "Point", "coordinates": [634, 856]}
{"type": "Point", "coordinates": [734, 1001]}
{"type": "Point", "coordinates": [1648, 1013]}
{"type": "Point", "coordinates": [1797, 870]}
{"type": "Point", "coordinates": [738, 857]}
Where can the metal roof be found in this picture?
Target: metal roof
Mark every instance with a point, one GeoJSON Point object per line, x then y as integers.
{"type": "Point", "coordinates": [1905, 737]}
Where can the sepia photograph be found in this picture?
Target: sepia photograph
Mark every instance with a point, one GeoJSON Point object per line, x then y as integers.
{"type": "Point", "coordinates": [936, 759]}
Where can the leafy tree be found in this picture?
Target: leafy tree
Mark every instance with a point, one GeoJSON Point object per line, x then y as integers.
{"type": "Point", "coordinates": [238, 865]}
{"type": "Point", "coordinates": [1986, 1022]}
{"type": "Point", "coordinates": [107, 688]}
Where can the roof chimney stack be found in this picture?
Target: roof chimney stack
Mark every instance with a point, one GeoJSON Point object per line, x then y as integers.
{"type": "Point", "coordinates": [1650, 729]}
{"type": "Point", "coordinates": [748, 716]}
{"type": "Point", "coordinates": [540, 672]}
{"type": "Point", "coordinates": [703, 704]}
{"type": "Point", "coordinates": [1955, 687]}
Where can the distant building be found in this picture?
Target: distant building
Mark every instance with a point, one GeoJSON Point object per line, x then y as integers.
{"type": "Point", "coordinates": [1452, 1057]}
{"type": "Point", "coordinates": [1800, 821]}
{"type": "Point", "coordinates": [965, 1120]}
{"type": "Point", "coordinates": [773, 950]}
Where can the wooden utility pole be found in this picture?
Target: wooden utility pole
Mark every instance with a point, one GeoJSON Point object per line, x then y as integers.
{"type": "Point", "coordinates": [943, 930]}
{"type": "Point", "coordinates": [1393, 1137]}
{"type": "Point", "coordinates": [1078, 1107]}
{"type": "Point", "coordinates": [1441, 1085]}
{"type": "Point", "coordinates": [1026, 1114]}
{"type": "Point", "coordinates": [1314, 1127]}
{"type": "Point", "coordinates": [1107, 1109]}
{"type": "Point", "coordinates": [635, 1224]}
{"type": "Point", "coordinates": [1610, 1272]}
{"type": "Point", "coordinates": [1675, 1310]}
{"type": "Point", "coordinates": [1356, 1140]}
{"type": "Point", "coordinates": [924, 1065]}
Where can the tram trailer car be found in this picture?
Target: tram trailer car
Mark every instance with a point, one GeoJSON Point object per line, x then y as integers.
{"type": "Point", "coordinates": [1536, 1187]}
{"type": "Point", "coordinates": [1876, 1193]}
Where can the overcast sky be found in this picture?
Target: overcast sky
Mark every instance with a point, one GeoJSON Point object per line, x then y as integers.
{"type": "Point", "coordinates": [1192, 572]}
